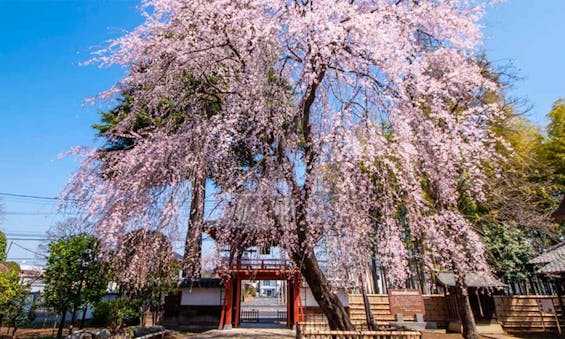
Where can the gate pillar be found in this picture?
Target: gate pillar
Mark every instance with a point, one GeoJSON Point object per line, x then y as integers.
{"type": "Point", "coordinates": [289, 303]}
{"type": "Point", "coordinates": [296, 302]}
{"type": "Point", "coordinates": [228, 304]}
{"type": "Point", "coordinates": [237, 287]}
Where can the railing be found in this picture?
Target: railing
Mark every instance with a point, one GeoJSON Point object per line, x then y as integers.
{"type": "Point", "coordinates": [258, 264]}
{"type": "Point", "coordinates": [249, 316]}
{"type": "Point", "coordinates": [281, 315]}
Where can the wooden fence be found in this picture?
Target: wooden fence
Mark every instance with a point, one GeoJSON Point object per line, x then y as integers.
{"type": "Point", "coordinates": [435, 306]}
{"type": "Point", "coordinates": [328, 334]}
{"type": "Point", "coordinates": [521, 313]}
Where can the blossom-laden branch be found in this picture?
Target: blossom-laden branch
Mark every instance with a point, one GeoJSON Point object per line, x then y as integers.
{"type": "Point", "coordinates": [345, 113]}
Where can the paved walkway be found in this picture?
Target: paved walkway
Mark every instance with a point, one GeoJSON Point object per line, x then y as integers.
{"type": "Point", "coordinates": [245, 333]}
{"type": "Point", "coordinates": [264, 302]}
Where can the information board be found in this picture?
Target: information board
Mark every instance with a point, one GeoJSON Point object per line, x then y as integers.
{"type": "Point", "coordinates": [546, 306]}
{"type": "Point", "coordinates": [406, 302]}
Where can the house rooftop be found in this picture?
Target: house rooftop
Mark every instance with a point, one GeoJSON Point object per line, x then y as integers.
{"type": "Point", "coordinates": [472, 279]}
{"type": "Point", "coordinates": [201, 283]}
{"type": "Point", "coordinates": [552, 259]}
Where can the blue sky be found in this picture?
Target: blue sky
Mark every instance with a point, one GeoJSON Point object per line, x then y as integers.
{"type": "Point", "coordinates": [43, 87]}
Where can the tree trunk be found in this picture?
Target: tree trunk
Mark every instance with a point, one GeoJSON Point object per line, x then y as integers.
{"type": "Point", "coordinates": [338, 319]}
{"type": "Point", "coordinates": [371, 324]}
{"type": "Point", "coordinates": [62, 324]}
{"type": "Point", "coordinates": [375, 274]}
{"type": "Point", "coordinates": [465, 311]}
{"type": "Point", "coordinates": [73, 318]}
{"type": "Point", "coordinates": [83, 317]}
{"type": "Point", "coordinates": [193, 243]}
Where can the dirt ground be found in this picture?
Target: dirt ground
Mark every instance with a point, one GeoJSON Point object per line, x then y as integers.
{"type": "Point", "coordinates": [243, 333]}
{"type": "Point", "coordinates": [258, 333]}
{"type": "Point", "coordinates": [29, 332]}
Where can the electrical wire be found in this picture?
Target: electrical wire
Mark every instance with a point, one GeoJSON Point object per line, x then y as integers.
{"type": "Point", "coordinates": [17, 195]}
{"type": "Point", "coordinates": [40, 213]}
{"type": "Point", "coordinates": [27, 249]}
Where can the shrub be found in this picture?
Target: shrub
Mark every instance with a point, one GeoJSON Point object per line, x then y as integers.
{"type": "Point", "coordinates": [102, 313]}
{"type": "Point", "coordinates": [117, 313]}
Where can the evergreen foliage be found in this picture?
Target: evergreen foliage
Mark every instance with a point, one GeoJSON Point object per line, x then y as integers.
{"type": "Point", "coordinates": [75, 276]}
{"type": "Point", "coordinates": [3, 246]}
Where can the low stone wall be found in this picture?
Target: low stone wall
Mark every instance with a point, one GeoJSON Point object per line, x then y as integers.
{"type": "Point", "coordinates": [521, 313]}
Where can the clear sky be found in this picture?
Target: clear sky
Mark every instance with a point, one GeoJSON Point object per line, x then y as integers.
{"type": "Point", "coordinates": [43, 87]}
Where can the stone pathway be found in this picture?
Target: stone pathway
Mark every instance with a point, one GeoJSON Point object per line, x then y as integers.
{"type": "Point", "coordinates": [263, 302]}
{"type": "Point", "coordinates": [245, 333]}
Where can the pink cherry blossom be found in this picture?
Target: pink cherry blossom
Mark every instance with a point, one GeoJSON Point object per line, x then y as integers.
{"type": "Point", "coordinates": [360, 117]}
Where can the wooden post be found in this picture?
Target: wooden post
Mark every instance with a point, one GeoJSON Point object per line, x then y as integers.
{"type": "Point", "coordinates": [542, 322]}
{"type": "Point", "coordinates": [289, 304]}
{"type": "Point", "coordinates": [237, 284]}
{"type": "Point", "coordinates": [229, 298]}
{"type": "Point", "coordinates": [557, 322]}
{"type": "Point", "coordinates": [223, 312]}
{"type": "Point", "coordinates": [559, 299]}
{"type": "Point", "coordinates": [295, 299]}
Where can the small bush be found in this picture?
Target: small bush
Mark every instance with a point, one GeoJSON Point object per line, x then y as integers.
{"type": "Point", "coordinates": [117, 313]}
{"type": "Point", "coordinates": [102, 314]}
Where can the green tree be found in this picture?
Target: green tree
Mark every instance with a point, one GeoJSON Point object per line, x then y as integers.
{"type": "Point", "coordinates": [13, 292]}
{"type": "Point", "coordinates": [523, 194]}
{"type": "Point", "coordinates": [508, 251]}
{"type": "Point", "coordinates": [3, 246]}
{"type": "Point", "coordinates": [75, 276]}
{"type": "Point", "coordinates": [519, 203]}
{"type": "Point", "coordinates": [553, 148]}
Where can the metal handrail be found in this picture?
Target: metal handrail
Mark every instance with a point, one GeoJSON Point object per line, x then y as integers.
{"type": "Point", "coordinates": [253, 264]}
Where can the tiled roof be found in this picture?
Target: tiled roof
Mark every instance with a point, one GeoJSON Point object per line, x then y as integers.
{"type": "Point", "coordinates": [201, 283]}
{"type": "Point", "coordinates": [553, 260]}
{"type": "Point", "coordinates": [550, 254]}
{"type": "Point", "coordinates": [472, 279]}
{"type": "Point", "coordinates": [556, 266]}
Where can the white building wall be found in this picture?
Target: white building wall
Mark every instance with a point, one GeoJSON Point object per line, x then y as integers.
{"type": "Point", "coordinates": [201, 296]}
{"type": "Point", "coordinates": [309, 301]}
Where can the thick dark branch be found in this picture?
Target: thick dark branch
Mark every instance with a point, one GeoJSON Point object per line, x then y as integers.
{"type": "Point", "coordinates": [307, 103]}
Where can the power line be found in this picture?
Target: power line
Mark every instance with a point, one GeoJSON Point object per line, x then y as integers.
{"type": "Point", "coordinates": [28, 196]}
{"type": "Point", "coordinates": [27, 249]}
{"type": "Point", "coordinates": [28, 239]}
{"type": "Point", "coordinates": [19, 226]}
{"type": "Point", "coordinates": [22, 232]}
{"type": "Point", "coordinates": [22, 259]}
{"type": "Point", "coordinates": [25, 235]}
{"type": "Point", "coordinates": [17, 195]}
{"type": "Point", "coordinates": [39, 213]}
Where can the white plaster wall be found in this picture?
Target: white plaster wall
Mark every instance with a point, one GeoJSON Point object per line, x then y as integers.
{"type": "Point", "coordinates": [201, 296]}
{"type": "Point", "coordinates": [309, 301]}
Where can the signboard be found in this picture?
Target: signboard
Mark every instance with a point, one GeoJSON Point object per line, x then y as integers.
{"type": "Point", "coordinates": [546, 306]}
{"type": "Point", "coordinates": [406, 302]}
